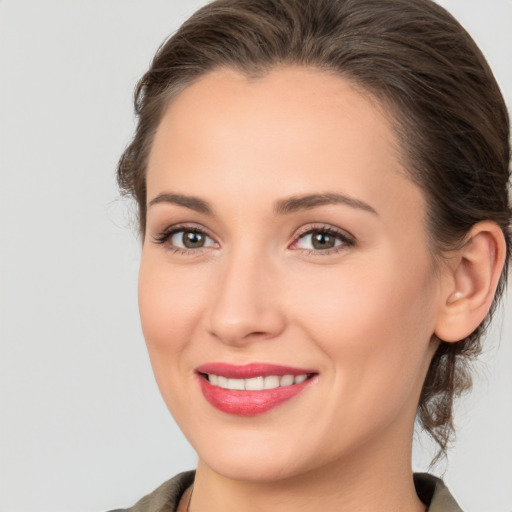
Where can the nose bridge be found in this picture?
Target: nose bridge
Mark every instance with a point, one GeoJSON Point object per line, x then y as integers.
{"type": "Point", "coordinates": [245, 304]}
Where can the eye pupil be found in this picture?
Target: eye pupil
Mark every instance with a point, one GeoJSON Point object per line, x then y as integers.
{"type": "Point", "coordinates": [192, 239]}
{"type": "Point", "coordinates": [322, 240]}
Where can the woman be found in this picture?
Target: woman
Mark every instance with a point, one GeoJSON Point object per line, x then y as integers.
{"type": "Point", "coordinates": [323, 200]}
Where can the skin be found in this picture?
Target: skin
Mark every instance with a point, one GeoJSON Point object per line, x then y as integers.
{"type": "Point", "coordinates": [362, 316]}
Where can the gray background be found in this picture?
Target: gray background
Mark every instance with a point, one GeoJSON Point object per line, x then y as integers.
{"type": "Point", "coordinates": [82, 425]}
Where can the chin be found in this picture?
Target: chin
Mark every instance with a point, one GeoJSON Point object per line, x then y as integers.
{"type": "Point", "coordinates": [240, 456]}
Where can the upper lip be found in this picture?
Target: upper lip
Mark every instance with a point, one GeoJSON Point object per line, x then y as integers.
{"type": "Point", "coordinates": [248, 371]}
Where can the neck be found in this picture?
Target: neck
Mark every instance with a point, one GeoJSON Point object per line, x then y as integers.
{"type": "Point", "coordinates": [374, 478]}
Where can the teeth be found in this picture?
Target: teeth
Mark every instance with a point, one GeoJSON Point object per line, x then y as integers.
{"type": "Point", "coordinates": [236, 384]}
{"type": "Point", "coordinates": [256, 383]}
{"type": "Point", "coordinates": [271, 382]}
{"type": "Point", "coordinates": [300, 378]}
{"type": "Point", "coordinates": [286, 380]}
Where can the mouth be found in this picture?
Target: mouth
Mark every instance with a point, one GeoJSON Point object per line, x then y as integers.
{"type": "Point", "coordinates": [255, 383]}
{"type": "Point", "coordinates": [251, 389]}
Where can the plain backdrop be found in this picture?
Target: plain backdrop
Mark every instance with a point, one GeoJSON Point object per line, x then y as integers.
{"type": "Point", "coordinates": [82, 425]}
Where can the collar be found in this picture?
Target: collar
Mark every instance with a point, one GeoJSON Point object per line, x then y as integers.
{"type": "Point", "coordinates": [430, 489]}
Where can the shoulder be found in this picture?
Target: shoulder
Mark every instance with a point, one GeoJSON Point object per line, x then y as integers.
{"type": "Point", "coordinates": [434, 493]}
{"type": "Point", "coordinates": [164, 498]}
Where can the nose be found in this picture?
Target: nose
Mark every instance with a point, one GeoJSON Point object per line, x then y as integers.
{"type": "Point", "coordinates": [245, 306]}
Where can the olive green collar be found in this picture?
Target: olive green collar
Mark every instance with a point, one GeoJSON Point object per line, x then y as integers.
{"type": "Point", "coordinates": [430, 489]}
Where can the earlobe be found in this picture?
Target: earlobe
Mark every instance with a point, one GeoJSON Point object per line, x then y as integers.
{"type": "Point", "coordinates": [472, 277]}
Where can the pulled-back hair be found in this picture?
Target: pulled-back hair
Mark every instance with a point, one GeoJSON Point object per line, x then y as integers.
{"type": "Point", "coordinates": [420, 64]}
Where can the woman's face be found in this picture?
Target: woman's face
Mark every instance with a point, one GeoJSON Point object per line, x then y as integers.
{"type": "Point", "coordinates": [284, 242]}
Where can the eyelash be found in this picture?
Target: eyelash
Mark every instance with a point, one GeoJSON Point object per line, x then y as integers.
{"type": "Point", "coordinates": [163, 237]}
{"type": "Point", "coordinates": [346, 239]}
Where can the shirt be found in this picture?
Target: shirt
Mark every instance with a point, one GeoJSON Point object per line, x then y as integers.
{"type": "Point", "coordinates": [430, 489]}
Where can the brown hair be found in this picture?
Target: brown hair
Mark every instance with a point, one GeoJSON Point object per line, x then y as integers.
{"type": "Point", "coordinates": [418, 61]}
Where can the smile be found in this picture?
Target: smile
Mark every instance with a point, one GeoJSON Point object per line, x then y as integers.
{"type": "Point", "coordinates": [252, 389]}
{"type": "Point", "coordinates": [256, 383]}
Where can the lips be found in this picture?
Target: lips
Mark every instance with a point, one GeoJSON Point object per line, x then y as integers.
{"type": "Point", "coordinates": [251, 389]}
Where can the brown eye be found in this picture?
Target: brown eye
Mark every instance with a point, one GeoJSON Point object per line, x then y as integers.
{"type": "Point", "coordinates": [326, 240]}
{"type": "Point", "coordinates": [321, 240]}
{"type": "Point", "coordinates": [186, 239]}
{"type": "Point", "coordinates": [192, 239]}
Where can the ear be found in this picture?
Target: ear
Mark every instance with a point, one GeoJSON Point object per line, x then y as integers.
{"type": "Point", "coordinates": [470, 282]}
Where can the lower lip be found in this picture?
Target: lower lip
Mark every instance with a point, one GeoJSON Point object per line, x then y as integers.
{"type": "Point", "coordinates": [249, 403]}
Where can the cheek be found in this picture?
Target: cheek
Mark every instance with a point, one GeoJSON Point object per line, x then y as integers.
{"type": "Point", "coordinates": [170, 306]}
{"type": "Point", "coordinates": [366, 303]}
{"type": "Point", "coordinates": [170, 309]}
{"type": "Point", "coordinates": [374, 321]}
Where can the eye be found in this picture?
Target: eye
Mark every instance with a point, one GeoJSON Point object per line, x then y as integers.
{"type": "Point", "coordinates": [325, 240]}
{"type": "Point", "coordinates": [190, 239]}
{"type": "Point", "coordinates": [183, 239]}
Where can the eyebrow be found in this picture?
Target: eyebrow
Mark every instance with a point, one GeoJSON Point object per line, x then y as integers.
{"type": "Point", "coordinates": [191, 202]}
{"type": "Point", "coordinates": [281, 207]}
{"type": "Point", "coordinates": [306, 202]}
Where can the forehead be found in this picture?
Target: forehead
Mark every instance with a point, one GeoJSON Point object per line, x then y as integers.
{"type": "Point", "coordinates": [288, 104]}
{"type": "Point", "coordinates": [291, 131]}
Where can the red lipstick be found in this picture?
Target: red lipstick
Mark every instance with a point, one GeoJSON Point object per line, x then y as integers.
{"type": "Point", "coordinates": [250, 402]}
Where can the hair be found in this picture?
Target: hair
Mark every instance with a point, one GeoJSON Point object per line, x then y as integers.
{"type": "Point", "coordinates": [420, 64]}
